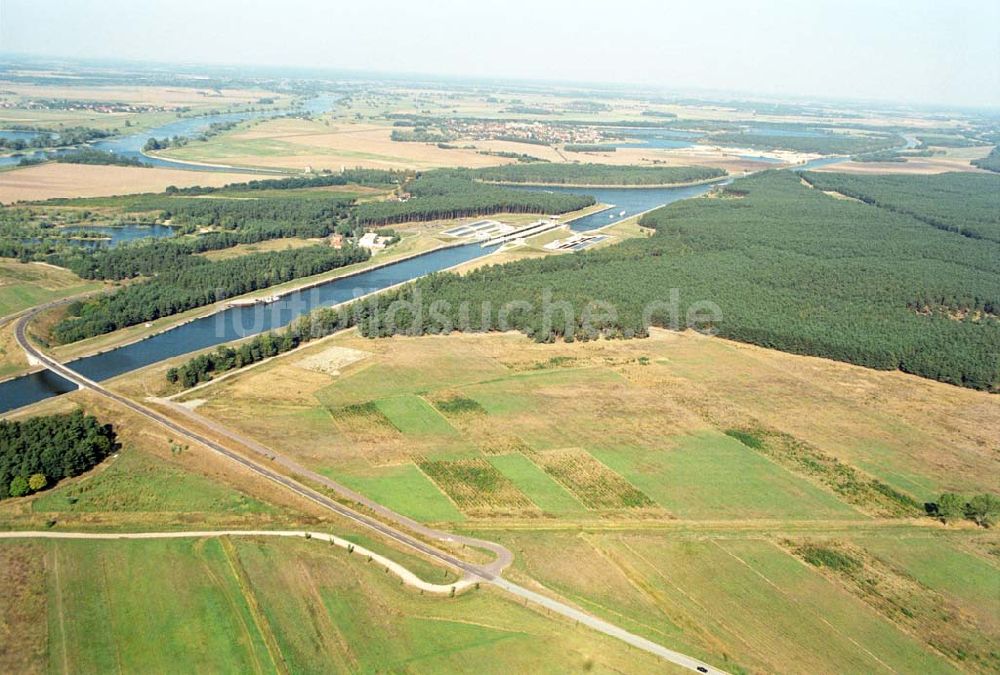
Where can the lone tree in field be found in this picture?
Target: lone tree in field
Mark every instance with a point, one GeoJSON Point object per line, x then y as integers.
{"type": "Point", "coordinates": [951, 507]}
{"type": "Point", "coordinates": [984, 509]}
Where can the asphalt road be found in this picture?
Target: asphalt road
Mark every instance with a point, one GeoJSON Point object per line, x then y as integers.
{"type": "Point", "coordinates": [488, 573]}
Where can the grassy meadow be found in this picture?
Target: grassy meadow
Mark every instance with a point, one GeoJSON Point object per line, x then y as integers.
{"type": "Point", "coordinates": [627, 428]}
{"type": "Point", "coordinates": [263, 606]}
{"type": "Point", "coordinates": [24, 285]}
{"type": "Point", "coordinates": [618, 475]}
{"type": "Point", "coordinates": [750, 604]}
{"type": "Point", "coordinates": [139, 482]}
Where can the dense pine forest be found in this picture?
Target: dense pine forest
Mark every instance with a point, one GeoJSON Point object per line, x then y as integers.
{"type": "Point", "coordinates": [372, 177]}
{"type": "Point", "coordinates": [442, 195]}
{"type": "Point", "coordinates": [789, 267]}
{"type": "Point", "coordinates": [91, 156]}
{"type": "Point", "coordinates": [192, 281]}
{"type": "Point", "coordinates": [38, 452]}
{"type": "Point", "coordinates": [275, 213]}
{"type": "Point", "coordinates": [202, 367]}
{"type": "Point", "coordinates": [595, 174]}
{"type": "Point", "coordinates": [827, 144]}
{"type": "Point", "coordinates": [990, 162]}
{"type": "Point", "coordinates": [966, 203]}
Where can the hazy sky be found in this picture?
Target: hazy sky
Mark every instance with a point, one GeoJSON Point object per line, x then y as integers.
{"type": "Point", "coordinates": [945, 51]}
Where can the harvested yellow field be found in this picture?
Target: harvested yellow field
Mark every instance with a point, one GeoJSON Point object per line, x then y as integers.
{"type": "Point", "coordinates": [46, 181]}
{"type": "Point", "coordinates": [915, 165]}
{"type": "Point", "coordinates": [301, 144]}
{"type": "Point", "coordinates": [594, 484]}
{"type": "Point", "coordinates": [728, 159]}
{"type": "Point", "coordinates": [922, 166]}
{"type": "Point", "coordinates": [12, 357]}
{"type": "Point", "coordinates": [477, 488]}
{"type": "Point", "coordinates": [156, 96]}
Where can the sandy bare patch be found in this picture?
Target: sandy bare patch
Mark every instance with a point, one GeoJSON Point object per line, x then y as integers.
{"type": "Point", "coordinates": [78, 180]}
{"type": "Point", "coordinates": [193, 403]}
{"type": "Point", "coordinates": [330, 361]}
{"type": "Point", "coordinates": [842, 196]}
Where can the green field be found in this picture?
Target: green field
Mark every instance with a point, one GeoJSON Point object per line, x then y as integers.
{"type": "Point", "coordinates": [769, 610]}
{"type": "Point", "coordinates": [26, 285]}
{"type": "Point", "coordinates": [412, 415]}
{"type": "Point", "coordinates": [107, 599]}
{"type": "Point", "coordinates": [138, 482]}
{"type": "Point", "coordinates": [263, 606]}
{"type": "Point", "coordinates": [232, 151]}
{"type": "Point", "coordinates": [644, 422]}
{"type": "Point", "coordinates": [349, 617]}
{"type": "Point", "coordinates": [402, 488]}
{"type": "Point", "coordinates": [882, 461]}
{"type": "Point", "coordinates": [536, 484]}
{"type": "Point", "coordinates": [222, 147]}
{"type": "Point", "coordinates": [712, 476]}
{"type": "Point", "coordinates": [383, 380]}
{"type": "Point", "coordinates": [797, 605]}
{"type": "Point", "coordinates": [948, 569]}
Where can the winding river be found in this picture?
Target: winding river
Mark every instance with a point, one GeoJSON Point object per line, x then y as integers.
{"type": "Point", "coordinates": [130, 145]}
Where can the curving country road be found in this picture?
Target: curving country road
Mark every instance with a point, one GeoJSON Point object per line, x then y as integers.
{"type": "Point", "coordinates": [504, 557]}
{"type": "Point", "coordinates": [406, 575]}
{"type": "Point", "coordinates": [489, 573]}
